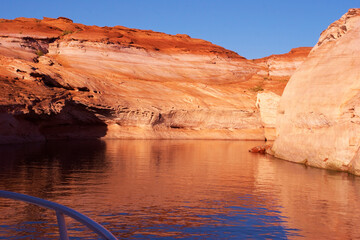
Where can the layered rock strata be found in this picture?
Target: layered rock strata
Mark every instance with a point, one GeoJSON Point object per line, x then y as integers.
{"type": "Point", "coordinates": [278, 68]}
{"type": "Point", "coordinates": [59, 79]}
{"type": "Point", "coordinates": [319, 112]}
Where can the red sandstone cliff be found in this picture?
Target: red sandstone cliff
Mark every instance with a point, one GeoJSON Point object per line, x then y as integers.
{"type": "Point", "coordinates": [59, 79]}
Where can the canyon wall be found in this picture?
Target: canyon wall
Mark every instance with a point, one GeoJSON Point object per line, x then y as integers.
{"type": "Point", "coordinates": [319, 113]}
{"type": "Point", "coordinates": [267, 103]}
{"type": "Point", "coordinates": [59, 79]}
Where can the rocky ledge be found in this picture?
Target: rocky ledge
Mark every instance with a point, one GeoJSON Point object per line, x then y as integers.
{"type": "Point", "coordinates": [60, 79]}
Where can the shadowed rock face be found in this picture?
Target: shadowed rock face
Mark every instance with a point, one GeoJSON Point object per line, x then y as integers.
{"type": "Point", "coordinates": [319, 112]}
{"type": "Point", "coordinates": [59, 79]}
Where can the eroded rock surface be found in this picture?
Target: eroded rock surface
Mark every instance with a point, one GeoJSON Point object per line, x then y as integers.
{"type": "Point", "coordinates": [319, 112]}
{"type": "Point", "coordinates": [59, 79]}
{"type": "Point", "coordinates": [267, 103]}
{"type": "Point", "coordinates": [278, 68]}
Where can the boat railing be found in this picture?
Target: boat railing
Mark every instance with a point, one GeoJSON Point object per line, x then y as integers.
{"type": "Point", "coordinates": [61, 211]}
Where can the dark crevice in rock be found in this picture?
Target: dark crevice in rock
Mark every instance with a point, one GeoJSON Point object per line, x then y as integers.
{"type": "Point", "coordinates": [21, 71]}
{"type": "Point", "coordinates": [49, 81]}
{"type": "Point", "coordinates": [107, 112]}
{"type": "Point", "coordinates": [176, 126]}
{"type": "Point", "coordinates": [83, 89]}
{"type": "Point", "coordinates": [160, 119]}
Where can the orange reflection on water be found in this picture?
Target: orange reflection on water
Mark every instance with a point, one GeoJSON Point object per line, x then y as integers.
{"type": "Point", "coordinates": [210, 189]}
{"type": "Point", "coordinates": [323, 204]}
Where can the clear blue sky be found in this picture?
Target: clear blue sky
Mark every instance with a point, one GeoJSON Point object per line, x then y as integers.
{"type": "Point", "coordinates": [252, 28]}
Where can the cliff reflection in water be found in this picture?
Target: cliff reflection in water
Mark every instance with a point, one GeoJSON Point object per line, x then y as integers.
{"type": "Point", "coordinates": [139, 188]}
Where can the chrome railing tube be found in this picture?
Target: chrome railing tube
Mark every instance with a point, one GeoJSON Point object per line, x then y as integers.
{"type": "Point", "coordinates": [62, 226]}
{"type": "Point", "coordinates": [60, 211]}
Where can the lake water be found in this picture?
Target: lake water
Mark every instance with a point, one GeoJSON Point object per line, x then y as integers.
{"type": "Point", "coordinates": [142, 189]}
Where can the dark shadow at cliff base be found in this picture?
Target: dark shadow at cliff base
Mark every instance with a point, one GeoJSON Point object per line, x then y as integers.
{"type": "Point", "coordinates": [74, 121]}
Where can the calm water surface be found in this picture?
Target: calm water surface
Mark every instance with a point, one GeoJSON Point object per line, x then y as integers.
{"type": "Point", "coordinates": [175, 189]}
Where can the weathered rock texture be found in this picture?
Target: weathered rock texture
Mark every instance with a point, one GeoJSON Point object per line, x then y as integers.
{"type": "Point", "coordinates": [59, 79]}
{"type": "Point", "coordinates": [267, 103]}
{"type": "Point", "coordinates": [319, 112]}
{"type": "Point", "coordinates": [277, 69]}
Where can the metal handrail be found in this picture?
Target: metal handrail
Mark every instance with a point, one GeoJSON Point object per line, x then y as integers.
{"type": "Point", "coordinates": [60, 211]}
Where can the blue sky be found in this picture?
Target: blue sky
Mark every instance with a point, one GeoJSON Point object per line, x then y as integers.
{"type": "Point", "coordinates": [252, 28]}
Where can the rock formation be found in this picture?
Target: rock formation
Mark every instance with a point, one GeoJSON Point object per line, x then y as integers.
{"type": "Point", "coordinates": [268, 103]}
{"type": "Point", "coordinates": [277, 69]}
{"type": "Point", "coordinates": [59, 79]}
{"type": "Point", "coordinates": [319, 112]}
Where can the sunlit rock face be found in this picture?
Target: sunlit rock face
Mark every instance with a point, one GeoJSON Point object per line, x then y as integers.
{"type": "Point", "coordinates": [278, 68]}
{"type": "Point", "coordinates": [319, 113]}
{"type": "Point", "coordinates": [267, 103]}
{"type": "Point", "coordinates": [59, 79]}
